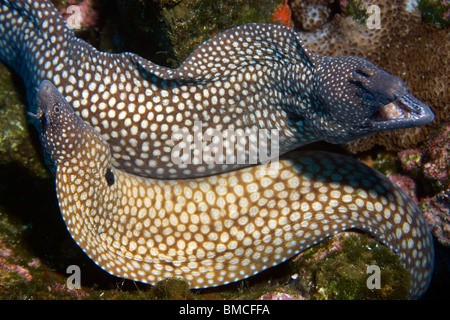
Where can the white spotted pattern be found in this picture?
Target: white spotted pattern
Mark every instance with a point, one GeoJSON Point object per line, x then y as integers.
{"type": "Point", "coordinates": [252, 77]}
{"type": "Point", "coordinates": [219, 229]}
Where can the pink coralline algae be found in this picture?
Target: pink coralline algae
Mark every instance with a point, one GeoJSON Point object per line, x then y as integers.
{"type": "Point", "coordinates": [407, 184]}
{"type": "Point", "coordinates": [446, 13]}
{"type": "Point", "coordinates": [410, 159]}
{"type": "Point", "coordinates": [438, 166]}
{"type": "Point", "coordinates": [35, 263]}
{"type": "Point", "coordinates": [278, 295]}
{"type": "Point", "coordinates": [62, 288]}
{"type": "Point", "coordinates": [429, 164]}
{"type": "Point", "coordinates": [9, 269]}
{"type": "Point", "coordinates": [437, 169]}
{"type": "Point", "coordinates": [437, 213]}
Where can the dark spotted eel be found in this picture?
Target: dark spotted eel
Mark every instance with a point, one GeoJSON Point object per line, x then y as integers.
{"type": "Point", "coordinates": [223, 228]}
{"type": "Point", "coordinates": [252, 77]}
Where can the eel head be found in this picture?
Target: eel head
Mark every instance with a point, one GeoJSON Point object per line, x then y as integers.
{"type": "Point", "coordinates": [353, 98]}
{"type": "Point", "coordinates": [59, 126]}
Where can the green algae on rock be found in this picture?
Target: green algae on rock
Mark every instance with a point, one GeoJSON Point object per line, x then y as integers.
{"type": "Point", "coordinates": [172, 289]}
{"type": "Point", "coordinates": [16, 146]}
{"type": "Point", "coordinates": [176, 28]}
{"type": "Point", "coordinates": [436, 12]}
{"type": "Point", "coordinates": [355, 10]}
{"type": "Point", "coordinates": [338, 269]}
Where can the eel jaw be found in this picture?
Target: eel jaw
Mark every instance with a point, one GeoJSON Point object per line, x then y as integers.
{"type": "Point", "coordinates": [404, 112]}
{"type": "Point", "coordinates": [37, 116]}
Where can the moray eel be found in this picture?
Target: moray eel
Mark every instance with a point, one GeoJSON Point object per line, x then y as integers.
{"type": "Point", "coordinates": [216, 230]}
{"type": "Point", "coordinates": [250, 78]}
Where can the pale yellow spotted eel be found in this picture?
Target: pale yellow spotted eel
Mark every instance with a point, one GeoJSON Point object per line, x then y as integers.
{"type": "Point", "coordinates": [219, 229]}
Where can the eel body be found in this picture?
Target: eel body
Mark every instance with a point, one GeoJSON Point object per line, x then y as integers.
{"type": "Point", "coordinates": [219, 229]}
{"type": "Point", "coordinates": [248, 79]}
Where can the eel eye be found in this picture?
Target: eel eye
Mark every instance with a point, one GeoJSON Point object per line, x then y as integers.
{"type": "Point", "coordinates": [109, 176]}
{"type": "Point", "coordinates": [368, 97]}
{"type": "Point", "coordinates": [56, 109]}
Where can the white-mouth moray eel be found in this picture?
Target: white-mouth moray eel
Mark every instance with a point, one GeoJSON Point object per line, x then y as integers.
{"type": "Point", "coordinates": [255, 76]}
{"type": "Point", "coordinates": [219, 229]}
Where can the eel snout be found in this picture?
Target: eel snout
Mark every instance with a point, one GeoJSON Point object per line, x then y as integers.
{"type": "Point", "coordinates": [398, 108]}
{"type": "Point", "coordinates": [43, 94]}
{"type": "Point", "coordinates": [402, 112]}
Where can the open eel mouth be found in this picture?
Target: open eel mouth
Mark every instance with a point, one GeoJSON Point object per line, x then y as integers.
{"type": "Point", "coordinates": [404, 112]}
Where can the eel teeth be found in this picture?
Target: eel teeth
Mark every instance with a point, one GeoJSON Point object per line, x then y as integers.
{"type": "Point", "coordinates": [401, 112]}
{"type": "Point", "coordinates": [38, 115]}
{"type": "Point", "coordinates": [392, 111]}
